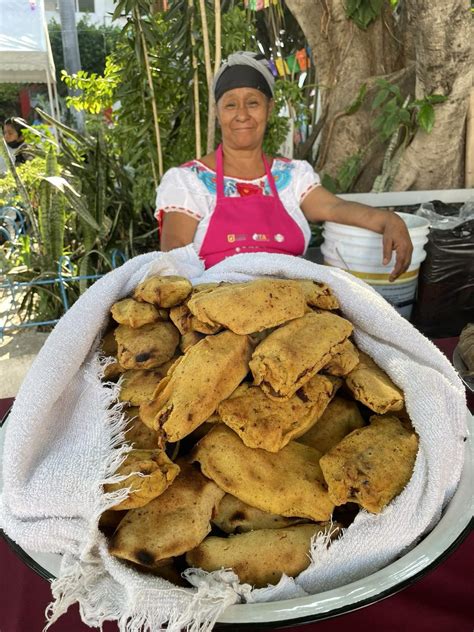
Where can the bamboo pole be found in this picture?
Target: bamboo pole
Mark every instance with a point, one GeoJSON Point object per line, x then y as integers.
{"type": "Point", "coordinates": [218, 35]}
{"type": "Point", "coordinates": [156, 123]}
{"type": "Point", "coordinates": [208, 67]}
{"type": "Point", "coordinates": [211, 121]}
{"type": "Point", "coordinates": [197, 115]}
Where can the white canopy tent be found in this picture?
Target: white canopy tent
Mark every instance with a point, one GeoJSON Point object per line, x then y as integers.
{"type": "Point", "coordinates": [25, 51]}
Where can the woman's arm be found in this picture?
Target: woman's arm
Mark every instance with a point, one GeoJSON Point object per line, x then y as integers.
{"type": "Point", "coordinates": [320, 205]}
{"type": "Point", "coordinates": [178, 230]}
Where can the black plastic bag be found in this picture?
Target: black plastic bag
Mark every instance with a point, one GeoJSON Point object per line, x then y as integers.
{"type": "Point", "coordinates": [445, 300]}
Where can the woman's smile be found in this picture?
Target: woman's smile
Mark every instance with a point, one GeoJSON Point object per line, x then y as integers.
{"type": "Point", "coordinates": [243, 115]}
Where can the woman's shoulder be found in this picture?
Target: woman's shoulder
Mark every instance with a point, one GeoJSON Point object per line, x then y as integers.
{"type": "Point", "coordinates": [192, 176]}
{"type": "Point", "coordinates": [184, 171]}
{"type": "Point", "coordinates": [292, 163]}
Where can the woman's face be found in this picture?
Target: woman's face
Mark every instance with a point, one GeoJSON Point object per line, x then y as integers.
{"type": "Point", "coordinates": [243, 115]}
{"type": "Point", "coordinates": [10, 134]}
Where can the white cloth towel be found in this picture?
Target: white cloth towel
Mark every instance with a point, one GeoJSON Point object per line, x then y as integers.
{"type": "Point", "coordinates": [65, 431]}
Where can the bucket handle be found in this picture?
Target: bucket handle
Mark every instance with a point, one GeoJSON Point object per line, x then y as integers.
{"type": "Point", "coordinates": [342, 258]}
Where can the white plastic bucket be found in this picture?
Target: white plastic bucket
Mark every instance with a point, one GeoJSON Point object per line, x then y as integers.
{"type": "Point", "coordinates": [359, 251]}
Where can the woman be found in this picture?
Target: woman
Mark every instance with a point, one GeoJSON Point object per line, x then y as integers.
{"type": "Point", "coordinates": [237, 200]}
{"type": "Point", "coordinates": [13, 134]}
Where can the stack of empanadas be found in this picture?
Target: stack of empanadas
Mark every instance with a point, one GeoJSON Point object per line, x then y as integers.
{"type": "Point", "coordinates": [250, 415]}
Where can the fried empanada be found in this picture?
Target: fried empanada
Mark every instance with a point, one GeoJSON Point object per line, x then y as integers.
{"type": "Point", "coordinates": [110, 520]}
{"type": "Point", "coordinates": [209, 372]}
{"type": "Point", "coordinates": [148, 347]}
{"type": "Point", "coordinates": [259, 557]}
{"type": "Point", "coordinates": [318, 294]}
{"type": "Point", "coordinates": [139, 385]}
{"type": "Point", "coordinates": [245, 308]}
{"type": "Point", "coordinates": [137, 434]}
{"type": "Point", "coordinates": [189, 339]}
{"type": "Point", "coordinates": [235, 516]}
{"type": "Point", "coordinates": [264, 423]}
{"type": "Point", "coordinates": [135, 314]}
{"type": "Point", "coordinates": [341, 417]}
{"type": "Point", "coordinates": [149, 473]}
{"type": "Point", "coordinates": [289, 483]}
{"type": "Point", "coordinates": [371, 386]}
{"type": "Point", "coordinates": [342, 362]}
{"type": "Point", "coordinates": [372, 465]}
{"type": "Point", "coordinates": [163, 291]}
{"type": "Point", "coordinates": [170, 525]}
{"type": "Point", "coordinates": [108, 344]}
{"type": "Point", "coordinates": [113, 371]}
{"type": "Point", "coordinates": [187, 323]}
{"type": "Point", "coordinates": [294, 352]}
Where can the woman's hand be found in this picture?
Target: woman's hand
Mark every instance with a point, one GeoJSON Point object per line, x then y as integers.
{"type": "Point", "coordinates": [320, 205]}
{"type": "Point", "coordinates": [396, 238]}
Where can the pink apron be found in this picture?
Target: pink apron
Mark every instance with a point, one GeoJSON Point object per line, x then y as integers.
{"type": "Point", "coordinates": [255, 223]}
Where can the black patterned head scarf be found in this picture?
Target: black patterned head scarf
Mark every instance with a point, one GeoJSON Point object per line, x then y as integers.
{"type": "Point", "coordinates": [244, 70]}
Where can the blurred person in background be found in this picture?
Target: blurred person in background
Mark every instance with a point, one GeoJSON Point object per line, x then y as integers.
{"type": "Point", "coordinates": [13, 129]}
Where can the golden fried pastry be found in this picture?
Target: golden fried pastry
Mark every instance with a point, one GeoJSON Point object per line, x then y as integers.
{"type": "Point", "coordinates": [163, 291]}
{"type": "Point", "coordinates": [148, 347]}
{"type": "Point", "coordinates": [108, 344]}
{"type": "Point", "coordinates": [289, 483]}
{"type": "Point", "coordinates": [138, 385]}
{"type": "Point", "coordinates": [113, 371]}
{"type": "Point", "coordinates": [259, 557]}
{"type": "Point", "coordinates": [264, 423]}
{"type": "Point", "coordinates": [466, 347]}
{"type": "Point", "coordinates": [181, 317]}
{"type": "Point", "coordinates": [318, 294]}
{"type": "Point", "coordinates": [245, 308]}
{"type": "Point", "coordinates": [343, 361]}
{"type": "Point", "coordinates": [209, 372]}
{"type": "Point", "coordinates": [135, 314]}
{"type": "Point", "coordinates": [294, 352]}
{"type": "Point", "coordinates": [189, 339]}
{"type": "Point", "coordinates": [235, 516]}
{"type": "Point", "coordinates": [341, 417]}
{"type": "Point", "coordinates": [149, 473]}
{"type": "Point", "coordinates": [187, 323]}
{"type": "Point", "coordinates": [175, 522]}
{"type": "Point", "coordinates": [137, 434]}
{"type": "Point", "coordinates": [110, 520]}
{"type": "Point", "coordinates": [372, 465]}
{"type": "Point", "coordinates": [371, 386]}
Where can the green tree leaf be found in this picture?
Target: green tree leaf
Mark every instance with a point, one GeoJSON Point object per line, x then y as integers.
{"type": "Point", "coordinates": [426, 117]}
{"type": "Point", "coordinates": [379, 98]}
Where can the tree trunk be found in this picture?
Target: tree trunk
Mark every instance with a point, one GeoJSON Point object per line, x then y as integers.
{"type": "Point", "coordinates": [71, 54]}
{"type": "Point", "coordinates": [443, 66]}
{"type": "Point", "coordinates": [425, 50]}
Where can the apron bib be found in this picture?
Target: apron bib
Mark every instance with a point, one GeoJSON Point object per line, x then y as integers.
{"type": "Point", "coordinates": [256, 223]}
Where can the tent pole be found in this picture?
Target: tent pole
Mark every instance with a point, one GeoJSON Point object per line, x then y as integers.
{"type": "Point", "coordinates": [51, 99]}
{"type": "Point", "coordinates": [56, 101]}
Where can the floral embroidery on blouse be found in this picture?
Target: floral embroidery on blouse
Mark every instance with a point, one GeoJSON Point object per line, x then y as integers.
{"type": "Point", "coordinates": [282, 176]}
{"type": "Point", "coordinates": [246, 188]}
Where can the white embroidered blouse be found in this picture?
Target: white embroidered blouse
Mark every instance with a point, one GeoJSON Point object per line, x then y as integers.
{"type": "Point", "coordinates": [191, 189]}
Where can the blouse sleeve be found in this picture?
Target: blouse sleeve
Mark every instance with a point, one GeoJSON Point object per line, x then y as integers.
{"type": "Point", "coordinates": [180, 191]}
{"type": "Point", "coordinates": [306, 179]}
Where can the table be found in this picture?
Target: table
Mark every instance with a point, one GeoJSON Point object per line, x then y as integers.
{"type": "Point", "coordinates": [440, 602]}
